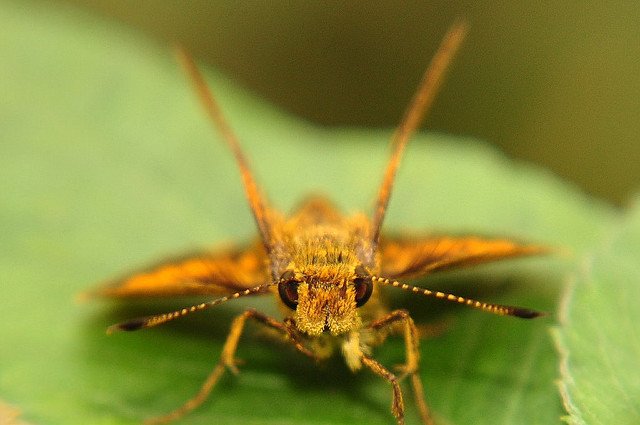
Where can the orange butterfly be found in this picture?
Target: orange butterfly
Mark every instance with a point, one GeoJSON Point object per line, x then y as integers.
{"type": "Point", "coordinates": [324, 269]}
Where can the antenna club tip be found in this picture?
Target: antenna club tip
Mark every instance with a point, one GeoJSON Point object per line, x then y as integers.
{"type": "Point", "coordinates": [460, 25]}
{"type": "Point", "coordinates": [131, 325]}
{"type": "Point", "coordinates": [181, 54]}
{"type": "Point", "coordinates": [525, 313]}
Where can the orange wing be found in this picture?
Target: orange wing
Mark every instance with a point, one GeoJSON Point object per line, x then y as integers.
{"type": "Point", "coordinates": [202, 274]}
{"type": "Point", "coordinates": [402, 258]}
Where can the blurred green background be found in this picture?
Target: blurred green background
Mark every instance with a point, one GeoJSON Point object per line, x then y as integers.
{"type": "Point", "coordinates": [107, 163]}
{"type": "Point", "coordinates": [557, 83]}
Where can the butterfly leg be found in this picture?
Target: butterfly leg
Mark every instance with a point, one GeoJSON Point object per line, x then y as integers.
{"type": "Point", "coordinates": [397, 404]}
{"type": "Point", "coordinates": [410, 368]}
{"type": "Point", "coordinates": [228, 361]}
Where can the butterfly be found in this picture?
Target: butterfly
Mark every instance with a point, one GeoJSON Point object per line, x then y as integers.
{"type": "Point", "coordinates": [324, 269]}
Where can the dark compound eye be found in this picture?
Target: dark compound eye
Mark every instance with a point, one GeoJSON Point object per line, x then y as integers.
{"type": "Point", "coordinates": [288, 289]}
{"type": "Point", "coordinates": [364, 288]}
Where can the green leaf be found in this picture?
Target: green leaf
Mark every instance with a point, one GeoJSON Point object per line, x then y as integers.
{"type": "Point", "coordinates": [599, 340]}
{"type": "Point", "coordinates": [108, 163]}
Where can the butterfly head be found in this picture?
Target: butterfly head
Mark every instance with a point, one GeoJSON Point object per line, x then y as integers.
{"type": "Point", "coordinates": [325, 303]}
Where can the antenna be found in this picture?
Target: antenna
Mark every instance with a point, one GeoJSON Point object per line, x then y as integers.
{"type": "Point", "coordinates": [150, 321]}
{"type": "Point", "coordinates": [500, 310]}
{"type": "Point", "coordinates": [422, 100]}
{"type": "Point", "coordinates": [252, 192]}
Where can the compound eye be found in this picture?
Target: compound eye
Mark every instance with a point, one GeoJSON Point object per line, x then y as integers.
{"type": "Point", "coordinates": [363, 286]}
{"type": "Point", "coordinates": [288, 289]}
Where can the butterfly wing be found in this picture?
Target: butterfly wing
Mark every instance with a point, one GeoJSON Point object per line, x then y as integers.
{"type": "Point", "coordinates": [414, 257]}
{"type": "Point", "coordinates": [203, 273]}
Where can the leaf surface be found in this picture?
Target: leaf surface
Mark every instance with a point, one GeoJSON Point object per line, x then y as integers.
{"type": "Point", "coordinates": [599, 341]}
{"type": "Point", "coordinates": [108, 164]}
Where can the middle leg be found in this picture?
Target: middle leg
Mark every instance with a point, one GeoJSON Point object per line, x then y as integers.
{"type": "Point", "coordinates": [410, 368]}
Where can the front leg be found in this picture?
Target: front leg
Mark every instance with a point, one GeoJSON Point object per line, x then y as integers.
{"type": "Point", "coordinates": [227, 360]}
{"type": "Point", "coordinates": [410, 368]}
{"type": "Point", "coordinates": [397, 403]}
